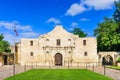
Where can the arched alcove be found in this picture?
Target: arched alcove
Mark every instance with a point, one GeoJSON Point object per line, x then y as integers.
{"type": "Point", "coordinates": [58, 59]}
{"type": "Point", "coordinates": [107, 60]}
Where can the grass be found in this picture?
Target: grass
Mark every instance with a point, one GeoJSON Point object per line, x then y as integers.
{"type": "Point", "coordinates": [58, 74]}
{"type": "Point", "coordinates": [114, 67]}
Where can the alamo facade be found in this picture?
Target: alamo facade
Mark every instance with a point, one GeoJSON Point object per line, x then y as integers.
{"type": "Point", "coordinates": [57, 48]}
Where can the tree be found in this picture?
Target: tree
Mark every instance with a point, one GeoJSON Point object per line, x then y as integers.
{"type": "Point", "coordinates": [4, 45]}
{"type": "Point", "coordinates": [107, 37]}
{"type": "Point", "coordinates": [78, 31]}
{"type": "Point", "coordinates": [116, 14]}
{"type": "Point", "coordinates": [108, 32]}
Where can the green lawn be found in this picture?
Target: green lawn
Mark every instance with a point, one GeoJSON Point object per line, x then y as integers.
{"type": "Point", "coordinates": [59, 74]}
{"type": "Point", "coordinates": [114, 67]}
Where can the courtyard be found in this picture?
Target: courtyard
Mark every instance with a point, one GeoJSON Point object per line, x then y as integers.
{"type": "Point", "coordinates": [8, 71]}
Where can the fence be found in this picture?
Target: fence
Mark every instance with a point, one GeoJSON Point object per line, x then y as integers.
{"type": "Point", "coordinates": [65, 64]}
{"type": "Point", "coordinates": [11, 70]}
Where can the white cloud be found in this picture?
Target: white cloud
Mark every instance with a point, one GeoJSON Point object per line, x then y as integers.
{"type": "Point", "coordinates": [24, 28]}
{"type": "Point", "coordinates": [7, 25]}
{"type": "Point", "coordinates": [23, 31]}
{"type": "Point", "coordinates": [75, 9]}
{"type": "Point", "coordinates": [29, 34]}
{"type": "Point", "coordinates": [100, 4]}
{"type": "Point", "coordinates": [11, 39]}
{"type": "Point", "coordinates": [87, 5]}
{"type": "Point", "coordinates": [72, 26]}
{"type": "Point", "coordinates": [54, 20]}
{"type": "Point", "coordinates": [84, 19]}
{"type": "Point", "coordinates": [10, 26]}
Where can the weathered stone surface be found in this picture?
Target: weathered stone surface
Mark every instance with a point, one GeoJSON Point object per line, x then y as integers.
{"type": "Point", "coordinates": [109, 56]}
{"type": "Point", "coordinates": [118, 64]}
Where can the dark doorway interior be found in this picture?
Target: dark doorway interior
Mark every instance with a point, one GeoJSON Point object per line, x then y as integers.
{"type": "Point", "coordinates": [58, 59]}
{"type": "Point", "coordinates": [5, 59]}
{"type": "Point", "coordinates": [107, 60]}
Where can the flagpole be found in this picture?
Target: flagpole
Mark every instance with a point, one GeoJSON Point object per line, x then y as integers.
{"type": "Point", "coordinates": [14, 58]}
{"type": "Point", "coordinates": [14, 49]}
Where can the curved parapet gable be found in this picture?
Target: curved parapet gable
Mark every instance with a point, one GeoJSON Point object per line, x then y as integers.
{"type": "Point", "coordinates": [59, 32]}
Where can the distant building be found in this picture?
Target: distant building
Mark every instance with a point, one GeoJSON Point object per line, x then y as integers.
{"type": "Point", "coordinates": [57, 47]}
{"type": "Point", "coordinates": [6, 58]}
{"type": "Point", "coordinates": [108, 58]}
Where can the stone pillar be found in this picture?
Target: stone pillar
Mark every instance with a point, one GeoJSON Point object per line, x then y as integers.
{"type": "Point", "coordinates": [1, 60]}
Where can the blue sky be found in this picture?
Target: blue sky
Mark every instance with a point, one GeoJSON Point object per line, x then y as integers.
{"type": "Point", "coordinates": [35, 17]}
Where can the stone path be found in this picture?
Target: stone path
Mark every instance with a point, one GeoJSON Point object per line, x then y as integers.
{"type": "Point", "coordinates": [115, 74]}
{"type": "Point", "coordinates": [7, 71]}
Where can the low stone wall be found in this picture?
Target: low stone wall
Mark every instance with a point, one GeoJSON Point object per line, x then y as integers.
{"type": "Point", "coordinates": [118, 64]}
{"type": "Point", "coordinates": [1, 61]}
{"type": "Point", "coordinates": [70, 64]}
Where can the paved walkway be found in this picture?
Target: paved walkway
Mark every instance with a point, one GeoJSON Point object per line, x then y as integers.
{"type": "Point", "coordinates": [7, 71]}
{"type": "Point", "coordinates": [114, 74]}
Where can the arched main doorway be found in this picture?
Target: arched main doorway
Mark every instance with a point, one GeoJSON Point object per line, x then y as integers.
{"type": "Point", "coordinates": [58, 59]}
{"type": "Point", "coordinates": [107, 60]}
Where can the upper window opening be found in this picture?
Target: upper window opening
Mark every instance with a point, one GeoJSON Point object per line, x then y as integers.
{"type": "Point", "coordinates": [84, 42]}
{"type": "Point", "coordinates": [85, 54]}
{"type": "Point", "coordinates": [47, 39]}
{"type": "Point", "coordinates": [31, 43]}
{"type": "Point", "coordinates": [31, 53]}
{"type": "Point", "coordinates": [69, 39]}
{"type": "Point", "coordinates": [58, 42]}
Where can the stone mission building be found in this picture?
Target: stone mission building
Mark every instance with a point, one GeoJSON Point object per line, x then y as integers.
{"type": "Point", "coordinates": [57, 48]}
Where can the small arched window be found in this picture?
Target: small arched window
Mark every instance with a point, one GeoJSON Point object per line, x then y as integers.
{"type": "Point", "coordinates": [69, 51]}
{"type": "Point", "coordinates": [47, 42]}
{"type": "Point", "coordinates": [69, 39]}
{"type": "Point", "coordinates": [69, 42]}
{"type": "Point", "coordinates": [47, 52]}
{"type": "Point", "coordinates": [47, 39]}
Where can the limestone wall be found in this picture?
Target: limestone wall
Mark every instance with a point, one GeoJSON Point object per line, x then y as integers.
{"type": "Point", "coordinates": [1, 59]}
{"type": "Point", "coordinates": [44, 48]}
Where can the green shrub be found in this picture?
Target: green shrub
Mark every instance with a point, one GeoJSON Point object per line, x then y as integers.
{"type": "Point", "coordinates": [118, 59]}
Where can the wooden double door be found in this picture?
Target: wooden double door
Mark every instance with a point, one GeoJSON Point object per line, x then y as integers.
{"type": "Point", "coordinates": [58, 59]}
